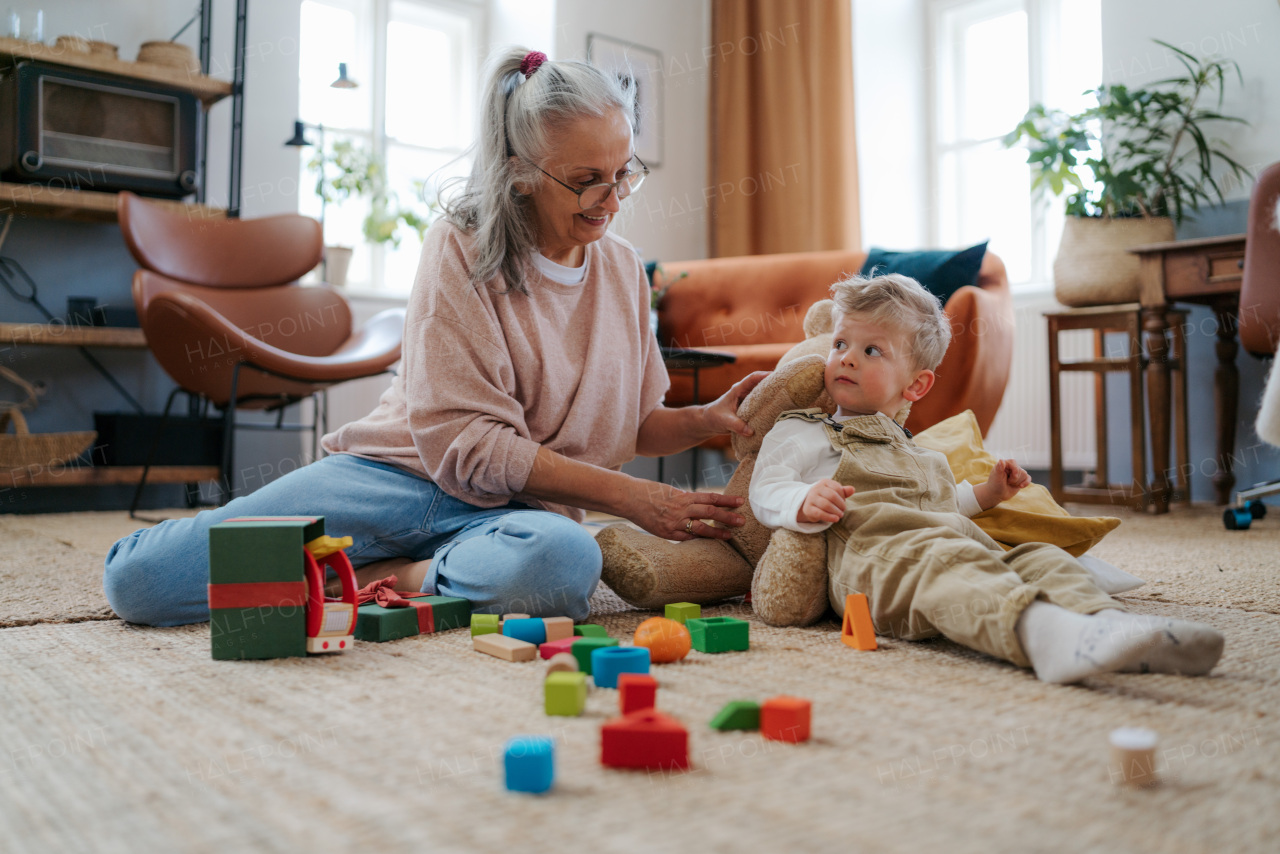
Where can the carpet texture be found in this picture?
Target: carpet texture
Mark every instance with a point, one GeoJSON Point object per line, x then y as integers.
{"type": "Point", "coordinates": [117, 737]}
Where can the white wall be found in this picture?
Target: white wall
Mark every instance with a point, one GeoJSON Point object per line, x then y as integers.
{"type": "Point", "coordinates": [890, 77]}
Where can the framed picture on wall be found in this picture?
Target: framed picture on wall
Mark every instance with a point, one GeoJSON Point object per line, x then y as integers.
{"type": "Point", "coordinates": [643, 66]}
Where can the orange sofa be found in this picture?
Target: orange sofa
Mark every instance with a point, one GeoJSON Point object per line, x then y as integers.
{"type": "Point", "coordinates": [754, 307]}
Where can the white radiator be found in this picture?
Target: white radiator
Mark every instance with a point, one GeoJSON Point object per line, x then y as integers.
{"type": "Point", "coordinates": [1021, 427]}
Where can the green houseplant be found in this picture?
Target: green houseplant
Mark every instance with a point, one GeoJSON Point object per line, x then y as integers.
{"type": "Point", "coordinates": [1131, 167]}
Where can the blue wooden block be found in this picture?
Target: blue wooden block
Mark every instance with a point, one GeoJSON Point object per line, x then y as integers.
{"type": "Point", "coordinates": [530, 763]}
{"type": "Point", "coordinates": [531, 631]}
{"type": "Point", "coordinates": [608, 662]}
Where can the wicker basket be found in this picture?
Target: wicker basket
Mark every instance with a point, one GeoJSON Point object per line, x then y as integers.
{"type": "Point", "coordinates": [22, 448]}
{"type": "Point", "coordinates": [172, 54]}
{"type": "Point", "coordinates": [1094, 266]}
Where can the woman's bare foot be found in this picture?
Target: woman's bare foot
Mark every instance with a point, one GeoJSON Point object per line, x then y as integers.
{"type": "Point", "coordinates": [409, 574]}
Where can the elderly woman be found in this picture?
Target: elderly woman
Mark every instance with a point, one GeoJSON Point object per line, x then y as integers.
{"type": "Point", "coordinates": [529, 376]}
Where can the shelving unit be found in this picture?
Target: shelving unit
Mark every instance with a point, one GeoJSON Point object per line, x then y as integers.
{"type": "Point", "coordinates": [77, 205]}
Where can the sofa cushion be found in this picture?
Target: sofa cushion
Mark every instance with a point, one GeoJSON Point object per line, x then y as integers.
{"type": "Point", "coordinates": [942, 272]}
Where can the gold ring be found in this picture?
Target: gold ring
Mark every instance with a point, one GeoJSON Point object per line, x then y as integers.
{"type": "Point", "coordinates": [688, 526]}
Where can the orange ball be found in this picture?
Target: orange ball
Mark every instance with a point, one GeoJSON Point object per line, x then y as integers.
{"type": "Point", "coordinates": [666, 639]}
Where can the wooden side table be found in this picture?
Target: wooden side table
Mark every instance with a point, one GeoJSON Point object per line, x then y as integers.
{"type": "Point", "coordinates": [1127, 319]}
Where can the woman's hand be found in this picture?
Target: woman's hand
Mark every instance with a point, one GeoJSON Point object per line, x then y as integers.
{"type": "Point", "coordinates": [674, 514]}
{"type": "Point", "coordinates": [722, 414]}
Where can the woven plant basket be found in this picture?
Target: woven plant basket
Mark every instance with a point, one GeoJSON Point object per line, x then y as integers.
{"type": "Point", "coordinates": [172, 54]}
{"type": "Point", "coordinates": [24, 449]}
{"type": "Point", "coordinates": [1094, 266]}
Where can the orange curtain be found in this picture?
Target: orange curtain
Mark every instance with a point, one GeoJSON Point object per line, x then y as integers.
{"type": "Point", "coordinates": [784, 174]}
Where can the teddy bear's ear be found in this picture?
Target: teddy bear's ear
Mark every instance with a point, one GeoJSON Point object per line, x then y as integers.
{"type": "Point", "coordinates": [818, 319]}
{"type": "Point", "coordinates": [794, 385]}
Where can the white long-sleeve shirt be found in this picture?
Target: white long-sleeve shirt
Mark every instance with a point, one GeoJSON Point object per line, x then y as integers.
{"type": "Point", "coordinates": [794, 456]}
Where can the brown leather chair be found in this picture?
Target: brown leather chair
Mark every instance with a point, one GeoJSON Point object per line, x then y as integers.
{"type": "Point", "coordinates": [754, 307]}
{"type": "Point", "coordinates": [218, 296]}
{"type": "Point", "coordinates": [1259, 312]}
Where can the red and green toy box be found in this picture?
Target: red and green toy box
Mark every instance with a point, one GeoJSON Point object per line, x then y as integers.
{"type": "Point", "coordinates": [257, 586]}
{"type": "Point", "coordinates": [428, 614]}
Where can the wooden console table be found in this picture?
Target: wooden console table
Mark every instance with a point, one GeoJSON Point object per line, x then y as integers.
{"type": "Point", "coordinates": [1206, 271]}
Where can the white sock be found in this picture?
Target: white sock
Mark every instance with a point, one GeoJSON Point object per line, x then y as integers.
{"type": "Point", "coordinates": [1189, 649]}
{"type": "Point", "coordinates": [1064, 646]}
{"type": "Point", "coordinates": [1110, 579]}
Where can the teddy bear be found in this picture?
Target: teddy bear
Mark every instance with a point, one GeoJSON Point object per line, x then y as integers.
{"type": "Point", "coordinates": [785, 571]}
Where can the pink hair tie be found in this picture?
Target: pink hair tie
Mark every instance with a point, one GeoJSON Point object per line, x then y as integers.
{"type": "Point", "coordinates": [532, 62]}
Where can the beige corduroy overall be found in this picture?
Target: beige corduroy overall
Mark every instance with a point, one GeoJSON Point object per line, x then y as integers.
{"type": "Point", "coordinates": [926, 568]}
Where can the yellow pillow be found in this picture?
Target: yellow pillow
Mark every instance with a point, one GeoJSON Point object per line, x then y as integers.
{"type": "Point", "coordinates": [1031, 516]}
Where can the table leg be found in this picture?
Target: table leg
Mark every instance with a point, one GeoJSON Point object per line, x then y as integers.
{"type": "Point", "coordinates": [693, 478]}
{"type": "Point", "coordinates": [1155, 325]}
{"type": "Point", "coordinates": [1226, 393]}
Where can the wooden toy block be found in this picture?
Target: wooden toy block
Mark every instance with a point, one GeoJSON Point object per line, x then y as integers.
{"type": "Point", "coordinates": [565, 693]}
{"type": "Point", "coordinates": [1133, 756]}
{"type": "Point", "coordinates": [257, 586]}
{"type": "Point", "coordinates": [590, 630]}
{"type": "Point", "coordinates": [682, 612]}
{"type": "Point", "coordinates": [585, 646]}
{"type": "Point", "coordinates": [644, 739]}
{"type": "Point", "coordinates": [378, 624]}
{"type": "Point", "coordinates": [636, 691]}
{"type": "Point", "coordinates": [607, 662]}
{"type": "Point", "coordinates": [719, 634]}
{"type": "Point", "coordinates": [325, 545]}
{"type": "Point", "coordinates": [785, 719]}
{"type": "Point", "coordinates": [449, 612]}
{"type": "Point", "coordinates": [562, 662]}
{"type": "Point", "coordinates": [555, 647]}
{"type": "Point", "coordinates": [485, 624]}
{"type": "Point", "coordinates": [530, 764]}
{"type": "Point", "coordinates": [857, 631]}
{"type": "Point", "coordinates": [665, 639]}
{"type": "Point", "coordinates": [506, 648]}
{"type": "Point", "coordinates": [738, 714]}
{"type": "Point", "coordinates": [528, 630]}
{"type": "Point", "coordinates": [506, 617]}
{"type": "Point", "coordinates": [558, 628]}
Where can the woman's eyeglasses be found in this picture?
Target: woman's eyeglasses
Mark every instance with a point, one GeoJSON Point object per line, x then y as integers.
{"type": "Point", "coordinates": [598, 194]}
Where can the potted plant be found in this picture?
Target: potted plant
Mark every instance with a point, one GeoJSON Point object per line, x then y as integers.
{"type": "Point", "coordinates": [1133, 166]}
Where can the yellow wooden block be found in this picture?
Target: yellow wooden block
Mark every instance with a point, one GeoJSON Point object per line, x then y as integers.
{"type": "Point", "coordinates": [558, 628]}
{"type": "Point", "coordinates": [506, 648]}
{"type": "Point", "coordinates": [323, 546]}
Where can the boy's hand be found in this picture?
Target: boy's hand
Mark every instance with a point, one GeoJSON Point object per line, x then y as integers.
{"type": "Point", "coordinates": [824, 502]}
{"type": "Point", "coordinates": [1006, 478]}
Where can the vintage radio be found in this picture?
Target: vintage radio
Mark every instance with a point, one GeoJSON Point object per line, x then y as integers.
{"type": "Point", "coordinates": [72, 128]}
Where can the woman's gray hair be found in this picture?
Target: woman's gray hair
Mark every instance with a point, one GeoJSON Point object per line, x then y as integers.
{"type": "Point", "coordinates": [517, 116]}
{"type": "Point", "coordinates": [902, 303]}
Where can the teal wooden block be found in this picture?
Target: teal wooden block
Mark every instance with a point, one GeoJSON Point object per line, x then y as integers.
{"type": "Point", "coordinates": [531, 630]}
{"type": "Point", "coordinates": [582, 651]}
{"type": "Point", "coordinates": [590, 630]}
{"type": "Point", "coordinates": [378, 624]}
{"type": "Point", "coordinates": [683, 611]}
{"type": "Point", "coordinates": [719, 634]}
{"type": "Point", "coordinates": [485, 624]}
{"type": "Point", "coordinates": [449, 612]}
{"type": "Point", "coordinates": [565, 693]}
{"type": "Point", "coordinates": [738, 714]}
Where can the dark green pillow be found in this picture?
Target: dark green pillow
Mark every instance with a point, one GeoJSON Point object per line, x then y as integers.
{"type": "Point", "coordinates": [941, 271]}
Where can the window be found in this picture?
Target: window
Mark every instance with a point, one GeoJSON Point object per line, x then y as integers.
{"type": "Point", "coordinates": [994, 58]}
{"type": "Point", "coordinates": [416, 65]}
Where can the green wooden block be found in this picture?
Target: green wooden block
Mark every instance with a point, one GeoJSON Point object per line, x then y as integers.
{"type": "Point", "coordinates": [738, 714]}
{"type": "Point", "coordinates": [260, 550]}
{"type": "Point", "coordinates": [378, 624]}
{"type": "Point", "coordinates": [485, 624]}
{"type": "Point", "coordinates": [582, 651]}
{"type": "Point", "coordinates": [682, 611]}
{"type": "Point", "coordinates": [263, 632]}
{"type": "Point", "coordinates": [719, 634]}
{"type": "Point", "coordinates": [565, 693]}
{"type": "Point", "coordinates": [590, 630]}
{"type": "Point", "coordinates": [448, 612]}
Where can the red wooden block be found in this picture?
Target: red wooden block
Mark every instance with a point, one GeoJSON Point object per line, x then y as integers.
{"type": "Point", "coordinates": [550, 648]}
{"type": "Point", "coordinates": [636, 691]}
{"type": "Point", "coordinates": [857, 630]}
{"type": "Point", "coordinates": [785, 718]}
{"type": "Point", "coordinates": [644, 739]}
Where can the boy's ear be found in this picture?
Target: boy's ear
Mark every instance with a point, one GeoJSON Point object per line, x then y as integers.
{"type": "Point", "coordinates": [919, 386]}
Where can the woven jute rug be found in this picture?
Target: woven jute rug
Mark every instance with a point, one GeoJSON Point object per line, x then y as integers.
{"type": "Point", "coordinates": [118, 737]}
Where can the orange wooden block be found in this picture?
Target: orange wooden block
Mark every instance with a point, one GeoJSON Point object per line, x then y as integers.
{"type": "Point", "coordinates": [857, 631]}
{"type": "Point", "coordinates": [785, 718]}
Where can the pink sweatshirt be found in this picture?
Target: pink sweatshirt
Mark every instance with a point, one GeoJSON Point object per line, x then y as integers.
{"type": "Point", "coordinates": [488, 377]}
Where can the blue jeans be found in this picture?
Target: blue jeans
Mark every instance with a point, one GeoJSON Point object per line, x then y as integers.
{"type": "Point", "coordinates": [502, 560]}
